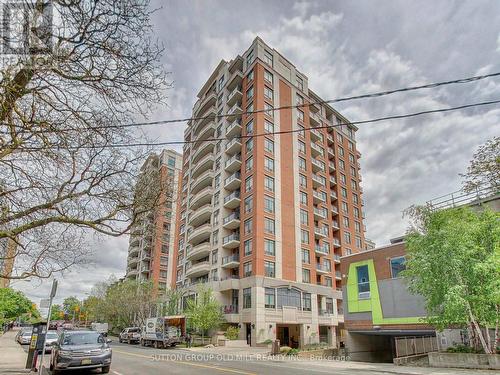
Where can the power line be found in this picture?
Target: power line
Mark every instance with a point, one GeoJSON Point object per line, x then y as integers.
{"type": "Point", "coordinates": [172, 143]}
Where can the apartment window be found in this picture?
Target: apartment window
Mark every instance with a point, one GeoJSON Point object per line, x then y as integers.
{"type": "Point", "coordinates": [353, 171]}
{"type": "Point", "coordinates": [268, 145]}
{"type": "Point", "coordinates": [302, 164]}
{"type": "Point", "coordinates": [327, 265]}
{"type": "Point", "coordinates": [269, 269]}
{"type": "Point", "coordinates": [304, 236]}
{"type": "Point", "coordinates": [269, 164]}
{"type": "Point", "coordinates": [306, 275]}
{"type": "Point", "coordinates": [302, 147]}
{"type": "Point", "coordinates": [348, 251]}
{"type": "Point", "coordinates": [269, 183]}
{"type": "Point", "coordinates": [215, 256]}
{"type": "Point", "coordinates": [247, 247]}
{"type": "Point", "coordinates": [304, 217]}
{"type": "Point", "coordinates": [363, 280]}
{"type": "Point", "coordinates": [247, 226]}
{"type": "Point", "coordinates": [249, 127]}
{"type": "Point", "coordinates": [398, 264]}
{"type": "Point", "coordinates": [306, 258]}
{"type": "Point", "coordinates": [346, 222]}
{"type": "Point", "coordinates": [343, 192]}
{"type": "Point", "coordinates": [358, 242]}
{"type": "Point", "coordinates": [249, 145]}
{"type": "Point", "coordinates": [217, 147]}
{"type": "Point", "coordinates": [220, 83]}
{"type": "Point", "coordinates": [351, 158]}
{"type": "Point", "coordinates": [268, 57]}
{"type": "Point", "coordinates": [268, 76]}
{"type": "Point", "coordinates": [249, 164]}
{"type": "Point", "coordinates": [270, 298]}
{"type": "Point", "coordinates": [302, 180]}
{"type": "Point", "coordinates": [357, 227]}
{"type": "Point", "coordinates": [343, 178]}
{"type": "Point", "coordinates": [250, 57]}
{"type": "Point", "coordinates": [247, 269]}
{"type": "Point", "coordinates": [306, 301]}
{"type": "Point", "coordinates": [215, 237]}
{"type": "Point", "coordinates": [356, 212]}
{"type": "Point", "coordinates": [355, 198]}
{"type": "Point", "coordinates": [351, 147]}
{"type": "Point", "coordinates": [248, 206]}
{"type": "Point", "coordinates": [347, 237]}
{"type": "Point", "coordinates": [247, 298]}
{"type": "Point", "coordinates": [268, 126]}
{"type": "Point", "coordinates": [268, 108]}
{"type": "Point", "coordinates": [250, 93]}
{"type": "Point", "coordinates": [300, 83]}
{"type": "Point", "coordinates": [268, 93]}
{"type": "Point", "coordinates": [249, 108]}
{"type": "Point", "coordinates": [354, 184]}
{"type": "Point", "coordinates": [268, 204]}
{"type": "Point", "coordinates": [269, 247]}
{"type": "Point", "coordinates": [268, 225]}
{"type": "Point", "coordinates": [216, 217]}
{"type": "Point", "coordinates": [342, 164]}
{"type": "Point", "coordinates": [250, 76]}
{"type": "Point", "coordinates": [217, 163]}
{"type": "Point", "coordinates": [299, 100]}
{"type": "Point", "coordinates": [328, 281]}
{"type": "Point", "coordinates": [249, 183]}
{"type": "Point", "coordinates": [341, 151]}
{"type": "Point", "coordinates": [217, 181]}
{"type": "Point", "coordinates": [303, 197]}
{"type": "Point", "coordinates": [300, 115]}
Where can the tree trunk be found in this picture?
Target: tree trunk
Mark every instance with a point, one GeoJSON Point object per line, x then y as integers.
{"type": "Point", "coordinates": [478, 331]}
{"type": "Point", "coordinates": [497, 339]}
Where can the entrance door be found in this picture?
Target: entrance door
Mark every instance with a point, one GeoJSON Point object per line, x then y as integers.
{"type": "Point", "coordinates": [249, 333]}
{"type": "Point", "coordinates": [286, 336]}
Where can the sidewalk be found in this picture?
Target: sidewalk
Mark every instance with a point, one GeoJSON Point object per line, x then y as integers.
{"type": "Point", "coordinates": [12, 355]}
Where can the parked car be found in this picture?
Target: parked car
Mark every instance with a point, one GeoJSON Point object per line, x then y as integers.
{"type": "Point", "coordinates": [80, 350]}
{"type": "Point", "coordinates": [25, 337]}
{"type": "Point", "coordinates": [130, 335]}
{"type": "Point", "coordinates": [51, 338]}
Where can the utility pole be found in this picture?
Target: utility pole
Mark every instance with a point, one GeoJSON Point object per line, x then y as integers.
{"type": "Point", "coordinates": [52, 295]}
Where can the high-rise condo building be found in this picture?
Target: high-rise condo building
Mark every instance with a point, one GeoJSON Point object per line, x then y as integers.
{"type": "Point", "coordinates": [264, 217]}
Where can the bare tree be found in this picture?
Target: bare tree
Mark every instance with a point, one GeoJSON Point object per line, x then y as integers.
{"type": "Point", "coordinates": [484, 169]}
{"type": "Point", "coordinates": [61, 176]}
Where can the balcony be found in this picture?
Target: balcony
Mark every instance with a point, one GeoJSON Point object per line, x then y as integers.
{"type": "Point", "coordinates": [233, 182]}
{"type": "Point", "coordinates": [321, 249]}
{"type": "Point", "coordinates": [338, 275]}
{"type": "Point", "coordinates": [204, 196]}
{"type": "Point", "coordinates": [329, 139]}
{"type": "Point", "coordinates": [331, 166]}
{"type": "Point", "coordinates": [200, 216]}
{"type": "Point", "coordinates": [322, 269]}
{"type": "Point", "coordinates": [132, 272]}
{"type": "Point", "coordinates": [336, 242]}
{"type": "Point", "coordinates": [202, 181]}
{"type": "Point", "coordinates": [231, 261]}
{"type": "Point", "coordinates": [316, 135]}
{"type": "Point", "coordinates": [200, 234]}
{"type": "Point", "coordinates": [199, 251]}
{"type": "Point", "coordinates": [319, 196]}
{"type": "Point", "coordinates": [232, 200]}
{"type": "Point", "coordinates": [333, 182]}
{"type": "Point", "coordinates": [230, 309]}
{"type": "Point", "coordinates": [335, 210]}
{"type": "Point", "coordinates": [235, 96]}
{"type": "Point", "coordinates": [234, 112]}
{"type": "Point", "coordinates": [204, 149]}
{"type": "Point", "coordinates": [320, 213]}
{"type": "Point", "coordinates": [331, 154]}
{"type": "Point", "coordinates": [335, 224]}
{"type": "Point", "coordinates": [336, 258]}
{"type": "Point", "coordinates": [233, 146]}
{"type": "Point", "coordinates": [205, 103]}
{"type": "Point", "coordinates": [132, 260]}
{"type": "Point", "coordinates": [205, 163]}
{"type": "Point", "coordinates": [197, 269]}
{"type": "Point", "coordinates": [316, 150]}
{"type": "Point", "coordinates": [234, 129]}
{"type": "Point", "coordinates": [209, 116]}
{"type": "Point", "coordinates": [314, 119]}
{"type": "Point", "coordinates": [235, 80]}
{"type": "Point", "coordinates": [232, 221]}
{"type": "Point", "coordinates": [233, 164]}
{"type": "Point", "coordinates": [204, 133]}
{"type": "Point", "coordinates": [333, 195]}
{"type": "Point", "coordinates": [320, 232]}
{"type": "Point", "coordinates": [318, 181]}
{"type": "Point", "coordinates": [232, 241]}
{"type": "Point", "coordinates": [317, 165]}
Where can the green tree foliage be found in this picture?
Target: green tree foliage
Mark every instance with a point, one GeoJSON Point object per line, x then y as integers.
{"type": "Point", "coordinates": [204, 312]}
{"type": "Point", "coordinates": [484, 168]}
{"type": "Point", "coordinates": [454, 263]}
{"type": "Point", "coordinates": [71, 305]}
{"type": "Point", "coordinates": [56, 312]}
{"type": "Point", "coordinates": [14, 304]}
{"type": "Point", "coordinates": [171, 302]}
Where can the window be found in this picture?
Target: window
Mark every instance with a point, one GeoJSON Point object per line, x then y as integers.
{"type": "Point", "coordinates": [356, 212]}
{"type": "Point", "coordinates": [358, 242]}
{"type": "Point", "coordinates": [302, 147]}
{"type": "Point", "coordinates": [248, 184]}
{"type": "Point", "coordinates": [300, 115]}
{"type": "Point", "coordinates": [250, 75]}
{"type": "Point", "coordinates": [248, 206]}
{"type": "Point", "coordinates": [268, 126]}
{"type": "Point", "coordinates": [328, 281]}
{"type": "Point", "coordinates": [268, 145]}
{"type": "Point", "coordinates": [357, 226]}
{"type": "Point", "coordinates": [269, 183]}
{"type": "Point", "coordinates": [268, 108]}
{"type": "Point", "coordinates": [347, 237]}
{"type": "Point", "coordinates": [215, 256]}
{"type": "Point", "coordinates": [249, 164]}
{"type": "Point", "coordinates": [269, 247]}
{"type": "Point", "coordinates": [306, 275]}
{"type": "Point", "coordinates": [341, 151]}
{"type": "Point", "coordinates": [268, 225]}
{"type": "Point", "coordinates": [302, 164]}
{"type": "Point", "coordinates": [268, 57]}
{"type": "Point", "coordinates": [288, 297]}
{"type": "Point", "coordinates": [269, 269]}
{"type": "Point", "coordinates": [249, 127]}
{"type": "Point", "coordinates": [398, 264]}
{"type": "Point", "coordinates": [268, 204]}
{"type": "Point", "coordinates": [247, 226]}
{"type": "Point", "coordinates": [249, 145]}
{"type": "Point", "coordinates": [346, 221]}
{"type": "Point", "coordinates": [353, 171]}
{"type": "Point", "coordinates": [250, 93]}
{"type": "Point", "coordinates": [303, 197]}
{"type": "Point", "coordinates": [247, 298]}
{"type": "Point", "coordinates": [306, 259]}
{"type": "Point", "coordinates": [304, 217]}
{"type": "Point", "coordinates": [363, 281]}
{"type": "Point", "coordinates": [329, 305]}
{"type": "Point", "coordinates": [351, 147]}
{"type": "Point", "coordinates": [250, 57]}
{"type": "Point", "coordinates": [355, 198]}
{"type": "Point", "coordinates": [299, 100]}
{"type": "Point", "coordinates": [217, 181]}
{"type": "Point", "coordinates": [268, 76]}
{"type": "Point", "coordinates": [247, 246]}
{"type": "Point", "coordinates": [221, 83]}
{"type": "Point", "coordinates": [216, 217]}
{"type": "Point", "coordinates": [247, 269]}
{"type": "Point", "coordinates": [270, 298]}
{"type": "Point", "coordinates": [300, 83]}
{"type": "Point", "coordinates": [268, 93]}
{"type": "Point", "coordinates": [343, 178]}
{"type": "Point", "coordinates": [304, 236]}
{"type": "Point", "coordinates": [351, 158]}
{"type": "Point", "coordinates": [269, 164]}
{"type": "Point", "coordinates": [342, 164]}
{"type": "Point", "coordinates": [302, 180]}
{"type": "Point", "coordinates": [306, 301]}
{"type": "Point", "coordinates": [343, 192]}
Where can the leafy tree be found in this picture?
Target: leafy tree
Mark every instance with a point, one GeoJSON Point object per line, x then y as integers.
{"type": "Point", "coordinates": [484, 168]}
{"type": "Point", "coordinates": [14, 304]}
{"type": "Point", "coordinates": [454, 263]}
{"type": "Point", "coordinates": [204, 312]}
{"type": "Point", "coordinates": [56, 312]}
{"type": "Point", "coordinates": [171, 302]}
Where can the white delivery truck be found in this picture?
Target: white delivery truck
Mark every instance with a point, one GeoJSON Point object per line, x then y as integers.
{"type": "Point", "coordinates": [165, 331]}
{"type": "Point", "coordinates": [100, 327]}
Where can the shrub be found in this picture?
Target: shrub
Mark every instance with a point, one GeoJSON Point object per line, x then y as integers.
{"type": "Point", "coordinates": [232, 332]}
{"type": "Point", "coordinates": [285, 349]}
{"type": "Point", "coordinates": [293, 352]}
{"type": "Point", "coordinates": [267, 342]}
{"type": "Point", "coordinates": [462, 349]}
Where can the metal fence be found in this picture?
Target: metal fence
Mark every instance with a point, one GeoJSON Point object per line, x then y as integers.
{"type": "Point", "coordinates": [406, 346]}
{"type": "Point", "coordinates": [461, 198]}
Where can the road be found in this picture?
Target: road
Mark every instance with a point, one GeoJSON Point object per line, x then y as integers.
{"type": "Point", "coordinates": [137, 360]}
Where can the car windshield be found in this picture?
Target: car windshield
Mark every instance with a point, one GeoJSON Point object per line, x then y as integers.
{"type": "Point", "coordinates": [51, 335]}
{"type": "Point", "coordinates": [83, 338]}
{"type": "Point", "coordinates": [27, 334]}
{"type": "Point", "coordinates": [133, 330]}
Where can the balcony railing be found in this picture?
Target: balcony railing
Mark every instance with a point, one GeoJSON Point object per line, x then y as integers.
{"type": "Point", "coordinates": [230, 259]}
{"type": "Point", "coordinates": [230, 309]}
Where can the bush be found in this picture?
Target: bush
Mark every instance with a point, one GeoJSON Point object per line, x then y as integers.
{"type": "Point", "coordinates": [293, 352]}
{"type": "Point", "coordinates": [285, 349]}
{"type": "Point", "coordinates": [266, 342]}
{"type": "Point", "coordinates": [462, 349]}
{"type": "Point", "coordinates": [232, 333]}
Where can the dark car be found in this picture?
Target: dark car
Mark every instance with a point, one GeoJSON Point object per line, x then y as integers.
{"type": "Point", "coordinates": [80, 350]}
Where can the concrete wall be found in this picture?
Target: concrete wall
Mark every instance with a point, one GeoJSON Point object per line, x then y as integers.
{"type": "Point", "coordinates": [368, 348]}
{"type": "Point", "coordinates": [465, 360]}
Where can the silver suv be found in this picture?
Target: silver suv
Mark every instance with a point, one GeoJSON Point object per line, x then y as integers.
{"type": "Point", "coordinates": [130, 335]}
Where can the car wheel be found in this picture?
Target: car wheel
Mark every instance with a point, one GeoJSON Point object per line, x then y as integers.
{"type": "Point", "coordinates": [120, 340]}
{"type": "Point", "coordinates": [129, 342]}
{"type": "Point", "coordinates": [105, 369]}
{"type": "Point", "coordinates": [142, 342]}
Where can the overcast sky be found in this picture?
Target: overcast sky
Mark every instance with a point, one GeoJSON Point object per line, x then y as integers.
{"type": "Point", "coordinates": [345, 48]}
